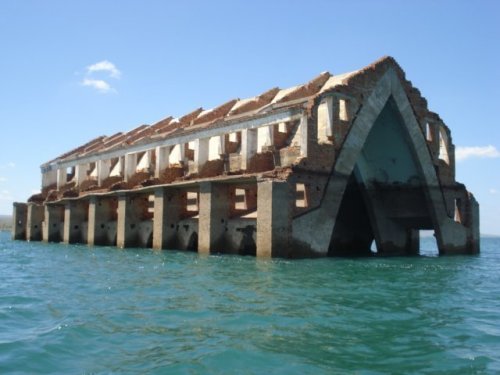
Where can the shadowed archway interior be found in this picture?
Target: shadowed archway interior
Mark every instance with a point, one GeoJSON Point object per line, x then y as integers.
{"type": "Point", "coordinates": [384, 197]}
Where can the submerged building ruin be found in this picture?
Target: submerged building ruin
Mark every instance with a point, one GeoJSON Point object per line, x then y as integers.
{"type": "Point", "coordinates": [320, 169]}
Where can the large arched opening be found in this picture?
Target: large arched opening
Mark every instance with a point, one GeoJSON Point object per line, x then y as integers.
{"type": "Point", "coordinates": [384, 198]}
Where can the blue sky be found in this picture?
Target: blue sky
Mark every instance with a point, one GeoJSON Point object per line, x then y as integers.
{"type": "Point", "coordinates": [73, 70]}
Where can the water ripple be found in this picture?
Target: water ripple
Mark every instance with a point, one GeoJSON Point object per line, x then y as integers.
{"type": "Point", "coordinates": [75, 309]}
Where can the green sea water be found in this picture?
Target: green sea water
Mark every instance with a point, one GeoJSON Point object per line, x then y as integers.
{"type": "Point", "coordinates": [80, 310]}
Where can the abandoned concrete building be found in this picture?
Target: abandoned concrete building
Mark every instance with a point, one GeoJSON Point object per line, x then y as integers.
{"type": "Point", "coordinates": [326, 168]}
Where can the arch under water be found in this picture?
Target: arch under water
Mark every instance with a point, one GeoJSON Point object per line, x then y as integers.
{"type": "Point", "coordinates": [384, 197]}
{"type": "Point", "coordinates": [384, 186]}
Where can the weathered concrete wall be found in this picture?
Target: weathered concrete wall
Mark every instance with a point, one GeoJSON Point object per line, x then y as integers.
{"type": "Point", "coordinates": [169, 204]}
{"type": "Point", "coordinates": [34, 223]}
{"type": "Point", "coordinates": [134, 224]}
{"type": "Point", "coordinates": [102, 219]}
{"type": "Point", "coordinates": [213, 217]}
{"type": "Point", "coordinates": [19, 219]}
{"type": "Point", "coordinates": [274, 219]}
{"type": "Point", "coordinates": [75, 215]}
{"type": "Point", "coordinates": [241, 237]}
{"type": "Point", "coordinates": [53, 224]}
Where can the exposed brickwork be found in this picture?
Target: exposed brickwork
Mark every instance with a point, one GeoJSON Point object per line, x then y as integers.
{"type": "Point", "coordinates": [37, 198]}
{"type": "Point", "coordinates": [188, 153]}
{"type": "Point", "coordinates": [261, 162]}
{"type": "Point", "coordinates": [171, 174]}
{"type": "Point", "coordinates": [310, 88]}
{"type": "Point", "coordinates": [250, 200]}
{"type": "Point", "coordinates": [162, 124]}
{"type": "Point", "coordinates": [107, 182]}
{"type": "Point", "coordinates": [216, 113]}
{"type": "Point", "coordinates": [282, 139]}
{"type": "Point", "coordinates": [189, 118]}
{"type": "Point", "coordinates": [52, 196]}
{"type": "Point", "coordinates": [80, 149]}
{"type": "Point", "coordinates": [256, 102]}
{"type": "Point", "coordinates": [88, 185]}
{"type": "Point", "coordinates": [232, 147]}
{"type": "Point", "coordinates": [212, 168]}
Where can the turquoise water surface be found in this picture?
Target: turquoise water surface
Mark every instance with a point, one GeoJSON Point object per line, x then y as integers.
{"type": "Point", "coordinates": [80, 310]}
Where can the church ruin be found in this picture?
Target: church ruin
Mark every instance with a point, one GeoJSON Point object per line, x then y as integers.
{"type": "Point", "coordinates": [321, 169]}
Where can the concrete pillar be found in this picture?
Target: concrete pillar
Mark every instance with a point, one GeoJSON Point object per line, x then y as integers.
{"type": "Point", "coordinates": [130, 165]}
{"type": "Point", "coordinates": [177, 155]}
{"type": "Point", "coordinates": [304, 136]}
{"type": "Point", "coordinates": [61, 177]}
{"type": "Point", "coordinates": [216, 147]}
{"type": "Point", "coordinates": [168, 207]}
{"type": "Point", "coordinates": [325, 120]}
{"type": "Point", "coordinates": [75, 214]}
{"type": "Point", "coordinates": [473, 223]}
{"type": "Point", "coordinates": [274, 218]}
{"type": "Point", "coordinates": [413, 238]}
{"type": "Point", "coordinates": [102, 218]}
{"type": "Point", "coordinates": [213, 217]}
{"type": "Point", "coordinates": [122, 165]}
{"type": "Point", "coordinates": [19, 218]}
{"type": "Point", "coordinates": [393, 238]}
{"type": "Point", "coordinates": [162, 156]}
{"type": "Point", "coordinates": [388, 223]}
{"type": "Point", "coordinates": [248, 146]}
{"type": "Point", "coordinates": [264, 137]}
{"type": "Point", "coordinates": [103, 170]}
{"type": "Point", "coordinates": [53, 223]}
{"type": "Point", "coordinates": [81, 173]}
{"type": "Point", "coordinates": [128, 220]}
{"type": "Point", "coordinates": [34, 222]}
{"type": "Point", "coordinates": [144, 164]}
{"type": "Point", "coordinates": [201, 152]}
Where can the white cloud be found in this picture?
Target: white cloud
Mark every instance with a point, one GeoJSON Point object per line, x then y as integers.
{"type": "Point", "coordinates": [493, 191]}
{"type": "Point", "coordinates": [462, 153]}
{"type": "Point", "coordinates": [98, 84]}
{"type": "Point", "coordinates": [104, 66]}
{"type": "Point", "coordinates": [3, 179]}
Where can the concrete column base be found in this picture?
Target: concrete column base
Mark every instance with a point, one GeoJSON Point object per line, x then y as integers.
{"type": "Point", "coordinates": [53, 223]}
{"type": "Point", "coordinates": [168, 207]}
{"type": "Point", "coordinates": [75, 215]}
{"type": "Point", "coordinates": [133, 229]}
{"type": "Point", "coordinates": [102, 221]}
{"type": "Point", "coordinates": [393, 239]}
{"type": "Point", "coordinates": [213, 217]}
{"type": "Point", "coordinates": [34, 222]}
{"type": "Point", "coordinates": [19, 218]}
{"type": "Point", "coordinates": [274, 219]}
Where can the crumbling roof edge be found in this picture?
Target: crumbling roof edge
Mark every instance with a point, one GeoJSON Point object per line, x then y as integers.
{"type": "Point", "coordinates": [352, 83]}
